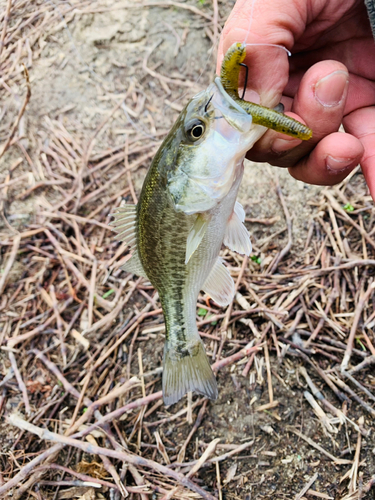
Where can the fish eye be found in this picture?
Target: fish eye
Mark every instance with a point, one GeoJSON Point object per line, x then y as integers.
{"type": "Point", "coordinates": [195, 129]}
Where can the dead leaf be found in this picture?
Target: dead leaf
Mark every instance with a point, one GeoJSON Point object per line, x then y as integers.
{"type": "Point", "coordinates": [89, 495]}
{"type": "Point", "coordinates": [77, 492]}
{"type": "Point", "coordinates": [93, 469]}
{"type": "Point", "coordinates": [230, 473]}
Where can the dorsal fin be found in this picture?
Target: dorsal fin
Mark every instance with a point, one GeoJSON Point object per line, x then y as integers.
{"type": "Point", "coordinates": [237, 237]}
{"type": "Point", "coordinates": [125, 225]}
{"type": "Point", "coordinates": [134, 266]}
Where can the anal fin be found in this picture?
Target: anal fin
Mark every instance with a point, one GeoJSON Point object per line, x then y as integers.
{"type": "Point", "coordinates": [187, 372]}
{"type": "Point", "coordinates": [220, 285]}
{"type": "Point", "coordinates": [237, 237]}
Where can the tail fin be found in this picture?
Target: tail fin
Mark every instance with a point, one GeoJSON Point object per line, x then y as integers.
{"type": "Point", "coordinates": [187, 372]}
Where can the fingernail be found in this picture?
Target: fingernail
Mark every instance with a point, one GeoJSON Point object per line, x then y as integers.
{"type": "Point", "coordinates": [282, 145]}
{"type": "Point", "coordinates": [337, 165]}
{"type": "Point", "coordinates": [330, 90]}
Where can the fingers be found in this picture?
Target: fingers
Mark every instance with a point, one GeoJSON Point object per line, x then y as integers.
{"type": "Point", "coordinates": [330, 161]}
{"type": "Point", "coordinates": [321, 97]}
{"type": "Point", "coordinates": [329, 156]}
{"type": "Point", "coordinates": [361, 123]}
{"type": "Point", "coordinates": [266, 22]}
{"type": "Point", "coordinates": [320, 103]}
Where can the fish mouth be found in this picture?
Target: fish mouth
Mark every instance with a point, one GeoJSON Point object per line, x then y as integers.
{"type": "Point", "coordinates": [228, 98]}
{"type": "Point", "coordinates": [230, 110]}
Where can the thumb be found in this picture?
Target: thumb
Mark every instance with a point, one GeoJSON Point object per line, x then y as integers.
{"type": "Point", "coordinates": [265, 22]}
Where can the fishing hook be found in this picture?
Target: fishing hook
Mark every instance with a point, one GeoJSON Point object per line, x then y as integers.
{"type": "Point", "coordinates": [208, 102]}
{"type": "Point", "coordinates": [246, 76]}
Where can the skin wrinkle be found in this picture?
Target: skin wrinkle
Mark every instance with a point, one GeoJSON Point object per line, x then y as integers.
{"type": "Point", "coordinates": [360, 94]}
{"type": "Point", "coordinates": [366, 134]}
{"type": "Point", "coordinates": [364, 125]}
{"type": "Point", "coordinates": [368, 157]}
{"type": "Point", "coordinates": [318, 26]}
{"type": "Point", "coordinates": [338, 51]}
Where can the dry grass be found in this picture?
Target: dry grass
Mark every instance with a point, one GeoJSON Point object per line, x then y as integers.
{"type": "Point", "coordinates": [78, 335]}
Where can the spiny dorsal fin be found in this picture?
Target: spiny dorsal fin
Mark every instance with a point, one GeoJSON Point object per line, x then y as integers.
{"type": "Point", "coordinates": [237, 237]}
{"type": "Point", "coordinates": [220, 285]}
{"type": "Point", "coordinates": [125, 225]}
{"type": "Point", "coordinates": [188, 372]}
{"type": "Point", "coordinates": [124, 211]}
{"type": "Point", "coordinates": [195, 236]}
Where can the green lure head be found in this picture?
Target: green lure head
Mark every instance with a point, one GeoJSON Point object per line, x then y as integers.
{"type": "Point", "coordinates": [229, 74]}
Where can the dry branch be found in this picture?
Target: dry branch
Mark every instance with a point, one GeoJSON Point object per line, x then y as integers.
{"type": "Point", "coordinates": [96, 450]}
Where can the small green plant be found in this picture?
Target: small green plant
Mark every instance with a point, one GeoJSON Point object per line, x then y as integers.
{"type": "Point", "coordinates": [348, 207]}
{"type": "Point", "coordinates": [360, 344]}
{"type": "Point", "coordinates": [214, 322]}
{"type": "Point", "coordinates": [256, 259]}
{"type": "Point", "coordinates": [202, 311]}
{"type": "Point", "coordinates": [108, 293]}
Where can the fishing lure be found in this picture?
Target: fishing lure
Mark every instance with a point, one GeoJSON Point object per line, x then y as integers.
{"type": "Point", "coordinates": [270, 118]}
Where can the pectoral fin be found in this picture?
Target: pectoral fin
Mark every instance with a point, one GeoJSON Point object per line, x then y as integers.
{"type": "Point", "coordinates": [220, 285]}
{"type": "Point", "coordinates": [195, 236]}
{"type": "Point", "coordinates": [237, 237]}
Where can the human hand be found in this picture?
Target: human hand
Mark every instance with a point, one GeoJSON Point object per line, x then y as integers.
{"type": "Point", "coordinates": [328, 80]}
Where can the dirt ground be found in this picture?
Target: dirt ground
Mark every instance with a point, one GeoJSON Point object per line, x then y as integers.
{"type": "Point", "coordinates": [107, 80]}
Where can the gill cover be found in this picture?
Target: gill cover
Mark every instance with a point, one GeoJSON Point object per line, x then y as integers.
{"type": "Point", "coordinates": [206, 169]}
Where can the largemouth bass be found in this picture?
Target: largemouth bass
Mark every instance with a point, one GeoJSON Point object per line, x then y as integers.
{"type": "Point", "coordinates": [187, 209]}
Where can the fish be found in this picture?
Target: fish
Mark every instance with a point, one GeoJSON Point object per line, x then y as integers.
{"type": "Point", "coordinates": [187, 209]}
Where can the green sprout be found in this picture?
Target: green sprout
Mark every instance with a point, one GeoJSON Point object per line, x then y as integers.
{"type": "Point", "coordinates": [108, 293]}
{"type": "Point", "coordinates": [214, 322]}
{"type": "Point", "coordinates": [361, 344]}
{"type": "Point", "coordinates": [256, 259]}
{"type": "Point", "coordinates": [202, 311]}
{"type": "Point", "coordinates": [348, 207]}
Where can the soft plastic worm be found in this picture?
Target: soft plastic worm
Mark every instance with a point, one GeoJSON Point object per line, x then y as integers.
{"type": "Point", "coordinates": [230, 70]}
